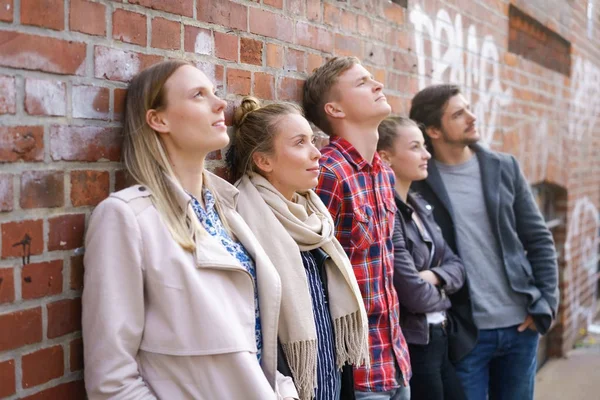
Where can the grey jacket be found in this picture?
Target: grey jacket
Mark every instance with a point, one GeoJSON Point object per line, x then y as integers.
{"type": "Point", "coordinates": [412, 254]}
{"type": "Point", "coordinates": [526, 244]}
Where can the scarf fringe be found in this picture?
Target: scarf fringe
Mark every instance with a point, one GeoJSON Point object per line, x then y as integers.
{"type": "Point", "coordinates": [351, 341]}
{"type": "Point", "coordinates": [302, 360]}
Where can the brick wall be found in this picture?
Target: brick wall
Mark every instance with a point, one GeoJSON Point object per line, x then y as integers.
{"type": "Point", "coordinates": [64, 66]}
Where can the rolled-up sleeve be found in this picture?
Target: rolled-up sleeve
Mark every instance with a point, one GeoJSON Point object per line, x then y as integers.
{"type": "Point", "coordinates": [113, 304]}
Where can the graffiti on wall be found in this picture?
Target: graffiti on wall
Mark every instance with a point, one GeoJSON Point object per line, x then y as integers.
{"type": "Point", "coordinates": [581, 257]}
{"type": "Point", "coordinates": [584, 107]}
{"type": "Point", "coordinates": [467, 61]}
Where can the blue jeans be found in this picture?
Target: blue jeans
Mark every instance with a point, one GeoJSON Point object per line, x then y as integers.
{"type": "Point", "coordinates": [402, 393]}
{"type": "Point", "coordinates": [503, 362]}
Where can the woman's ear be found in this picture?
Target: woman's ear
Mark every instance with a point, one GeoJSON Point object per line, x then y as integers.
{"type": "Point", "coordinates": [156, 121]}
{"type": "Point", "coordinates": [262, 162]}
{"type": "Point", "coordinates": [385, 156]}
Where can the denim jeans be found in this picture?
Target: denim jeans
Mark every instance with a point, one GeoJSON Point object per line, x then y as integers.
{"type": "Point", "coordinates": [402, 393]}
{"type": "Point", "coordinates": [503, 364]}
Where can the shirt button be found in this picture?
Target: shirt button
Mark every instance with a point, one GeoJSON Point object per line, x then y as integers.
{"type": "Point", "coordinates": [142, 189]}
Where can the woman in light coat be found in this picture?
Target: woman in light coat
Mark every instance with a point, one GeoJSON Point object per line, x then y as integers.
{"type": "Point", "coordinates": [323, 324]}
{"type": "Point", "coordinates": [172, 308]}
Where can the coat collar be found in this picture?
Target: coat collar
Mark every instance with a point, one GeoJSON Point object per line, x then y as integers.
{"type": "Point", "coordinates": [224, 192]}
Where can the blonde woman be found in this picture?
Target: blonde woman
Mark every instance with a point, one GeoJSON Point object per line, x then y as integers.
{"type": "Point", "coordinates": [171, 307]}
{"type": "Point", "coordinates": [323, 324]}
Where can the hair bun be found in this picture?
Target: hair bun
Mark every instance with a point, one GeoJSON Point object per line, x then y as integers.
{"type": "Point", "coordinates": [247, 105]}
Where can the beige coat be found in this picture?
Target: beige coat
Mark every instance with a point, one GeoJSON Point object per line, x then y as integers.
{"type": "Point", "coordinates": [160, 322]}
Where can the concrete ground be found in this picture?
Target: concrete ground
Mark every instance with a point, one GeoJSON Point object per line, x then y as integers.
{"type": "Point", "coordinates": [576, 377]}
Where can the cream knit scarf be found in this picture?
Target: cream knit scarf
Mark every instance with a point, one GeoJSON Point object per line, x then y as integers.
{"type": "Point", "coordinates": [284, 229]}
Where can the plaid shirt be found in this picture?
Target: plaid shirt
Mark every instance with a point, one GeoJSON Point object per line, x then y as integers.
{"type": "Point", "coordinates": [360, 198]}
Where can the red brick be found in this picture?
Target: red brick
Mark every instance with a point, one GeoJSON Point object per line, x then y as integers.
{"type": "Point", "coordinates": [226, 46]}
{"type": "Point", "coordinates": [6, 192]}
{"type": "Point", "coordinates": [42, 366]}
{"type": "Point", "coordinates": [197, 40]}
{"type": "Point", "coordinates": [274, 3]}
{"type": "Point", "coordinates": [20, 328]}
{"type": "Point", "coordinates": [76, 355]}
{"type": "Point", "coordinates": [85, 143]}
{"type": "Point", "coordinates": [87, 17]}
{"type": "Point", "coordinates": [294, 60]}
{"type": "Point", "coordinates": [64, 317]}
{"type": "Point", "coordinates": [7, 378]}
{"type": "Point", "coordinates": [15, 232]}
{"type": "Point", "coordinates": [251, 51]}
{"type": "Point", "coordinates": [43, 97]}
{"type": "Point", "coordinates": [91, 102]}
{"type": "Point", "coordinates": [44, 13]}
{"type": "Point", "coordinates": [7, 286]}
{"type": "Point", "coordinates": [348, 46]}
{"type": "Point", "coordinates": [66, 232]}
{"type": "Point", "coordinates": [348, 21]}
{"type": "Point", "coordinates": [314, 61]}
{"type": "Point", "coordinates": [331, 15]}
{"type": "Point", "coordinates": [290, 89]}
{"type": "Point", "coordinates": [274, 55]}
{"type": "Point", "coordinates": [119, 65]}
{"type": "Point", "coordinates": [129, 27]}
{"type": "Point", "coordinates": [42, 189]}
{"type": "Point", "coordinates": [178, 7]}
{"type": "Point", "coordinates": [89, 188]}
{"type": "Point", "coordinates": [314, 37]}
{"type": "Point", "coordinates": [38, 53]}
{"type": "Point", "coordinates": [223, 12]}
{"type": "Point", "coordinates": [119, 96]}
{"type": "Point", "coordinates": [123, 180]}
{"type": "Point", "coordinates": [213, 71]}
{"type": "Point", "coordinates": [295, 7]}
{"type": "Point", "coordinates": [8, 95]}
{"type": "Point", "coordinates": [364, 25]}
{"type": "Point", "coordinates": [313, 10]}
{"type": "Point", "coordinates": [76, 281]}
{"type": "Point", "coordinates": [264, 86]}
{"type": "Point", "coordinates": [6, 15]}
{"type": "Point", "coordinates": [166, 34]}
{"type": "Point", "coordinates": [41, 279]}
{"type": "Point", "coordinates": [238, 81]}
{"type": "Point", "coordinates": [394, 13]}
{"type": "Point", "coordinates": [74, 390]}
{"type": "Point", "coordinates": [269, 24]}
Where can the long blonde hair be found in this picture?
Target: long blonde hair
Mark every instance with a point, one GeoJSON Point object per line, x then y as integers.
{"type": "Point", "coordinates": [144, 154]}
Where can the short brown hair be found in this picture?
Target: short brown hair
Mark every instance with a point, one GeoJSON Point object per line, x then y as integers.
{"type": "Point", "coordinates": [388, 131]}
{"type": "Point", "coordinates": [317, 89]}
{"type": "Point", "coordinates": [255, 128]}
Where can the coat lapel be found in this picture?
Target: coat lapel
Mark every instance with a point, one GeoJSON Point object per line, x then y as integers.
{"type": "Point", "coordinates": [434, 180]}
{"type": "Point", "coordinates": [489, 165]}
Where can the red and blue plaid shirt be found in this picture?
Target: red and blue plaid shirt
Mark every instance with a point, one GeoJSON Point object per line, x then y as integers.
{"type": "Point", "coordinates": [360, 197]}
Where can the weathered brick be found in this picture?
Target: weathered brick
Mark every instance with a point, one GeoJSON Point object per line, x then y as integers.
{"type": "Point", "coordinates": [66, 232]}
{"type": "Point", "coordinates": [264, 86]}
{"type": "Point", "coordinates": [20, 328]}
{"type": "Point", "coordinates": [8, 95]}
{"type": "Point", "coordinates": [294, 60]}
{"type": "Point", "coordinates": [44, 13]}
{"type": "Point", "coordinates": [42, 189]}
{"type": "Point", "coordinates": [7, 378]}
{"type": "Point", "coordinates": [270, 24]}
{"type": "Point", "coordinates": [85, 143]}
{"type": "Point", "coordinates": [274, 3]}
{"type": "Point", "coordinates": [166, 34]}
{"type": "Point", "coordinates": [41, 279]}
{"type": "Point", "coordinates": [177, 7]}
{"type": "Point", "coordinates": [197, 40]}
{"type": "Point", "coordinates": [274, 55]}
{"type": "Point", "coordinates": [6, 192]}
{"type": "Point", "coordinates": [331, 15]}
{"type": "Point", "coordinates": [348, 21]}
{"type": "Point", "coordinates": [89, 188]}
{"type": "Point", "coordinates": [296, 7]}
{"type": "Point", "coordinates": [87, 17]}
{"type": "Point", "coordinates": [119, 65]}
{"type": "Point", "coordinates": [64, 317]}
{"type": "Point", "coordinates": [223, 12]}
{"type": "Point", "coordinates": [314, 61]}
{"type": "Point", "coordinates": [6, 15]}
{"type": "Point", "coordinates": [348, 46]}
{"type": "Point", "coordinates": [76, 280]}
{"type": "Point", "coordinates": [394, 13]}
{"type": "Point", "coordinates": [74, 390]}
{"type": "Point", "coordinates": [129, 27]}
{"type": "Point", "coordinates": [238, 81]}
{"type": "Point", "coordinates": [251, 51]}
{"type": "Point", "coordinates": [76, 355]}
{"type": "Point", "coordinates": [123, 180]}
{"type": "Point", "coordinates": [30, 233]}
{"type": "Point", "coordinates": [7, 287]}
{"type": "Point", "coordinates": [290, 89]}
{"type": "Point", "coordinates": [91, 102]}
{"type": "Point", "coordinates": [38, 53]}
{"type": "Point", "coordinates": [226, 46]}
{"type": "Point", "coordinates": [43, 97]}
{"type": "Point", "coordinates": [314, 37]}
{"type": "Point", "coordinates": [42, 366]}
{"type": "Point", "coordinates": [313, 10]}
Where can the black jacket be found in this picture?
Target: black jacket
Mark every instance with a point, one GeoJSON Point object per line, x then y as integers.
{"type": "Point", "coordinates": [412, 255]}
{"type": "Point", "coordinates": [526, 244]}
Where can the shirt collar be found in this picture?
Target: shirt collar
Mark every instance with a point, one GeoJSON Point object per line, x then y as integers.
{"type": "Point", "coordinates": [354, 157]}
